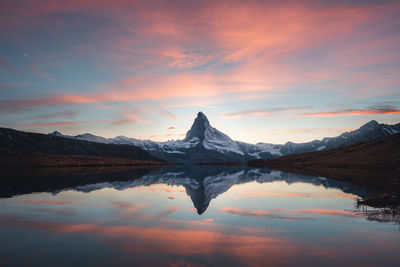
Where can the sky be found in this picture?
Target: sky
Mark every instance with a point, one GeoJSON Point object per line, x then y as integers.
{"type": "Point", "coordinates": [261, 71]}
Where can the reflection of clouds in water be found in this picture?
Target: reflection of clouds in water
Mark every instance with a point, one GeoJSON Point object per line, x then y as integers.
{"type": "Point", "coordinates": [169, 210]}
{"type": "Point", "coordinates": [311, 194]}
{"type": "Point", "coordinates": [179, 239]}
{"type": "Point", "coordinates": [287, 214]}
{"type": "Point", "coordinates": [203, 184]}
{"type": "Point", "coordinates": [146, 227]}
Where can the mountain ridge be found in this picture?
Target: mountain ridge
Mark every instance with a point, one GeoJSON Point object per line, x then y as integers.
{"type": "Point", "coordinates": [30, 148]}
{"type": "Point", "coordinates": [204, 143]}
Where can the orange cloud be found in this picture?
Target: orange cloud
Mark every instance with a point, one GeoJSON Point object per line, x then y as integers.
{"type": "Point", "coordinates": [352, 112]}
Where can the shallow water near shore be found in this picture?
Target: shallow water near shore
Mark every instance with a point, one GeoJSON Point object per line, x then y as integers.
{"type": "Point", "coordinates": [194, 215]}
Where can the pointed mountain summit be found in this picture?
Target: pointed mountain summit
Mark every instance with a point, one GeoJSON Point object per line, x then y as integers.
{"type": "Point", "coordinates": [56, 133]}
{"type": "Point", "coordinates": [210, 138]}
{"type": "Point", "coordinates": [199, 127]}
{"type": "Point", "coordinates": [369, 126]}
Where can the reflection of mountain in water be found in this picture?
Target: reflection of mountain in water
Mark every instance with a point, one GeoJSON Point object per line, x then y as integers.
{"type": "Point", "coordinates": [204, 183]}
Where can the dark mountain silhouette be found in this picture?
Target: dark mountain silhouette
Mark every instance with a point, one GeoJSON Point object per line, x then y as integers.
{"type": "Point", "coordinates": [23, 145]}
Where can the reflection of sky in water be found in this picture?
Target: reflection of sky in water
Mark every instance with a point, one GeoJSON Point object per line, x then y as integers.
{"type": "Point", "coordinates": [251, 223]}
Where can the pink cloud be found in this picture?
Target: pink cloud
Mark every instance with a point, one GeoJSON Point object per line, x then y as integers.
{"type": "Point", "coordinates": [168, 51]}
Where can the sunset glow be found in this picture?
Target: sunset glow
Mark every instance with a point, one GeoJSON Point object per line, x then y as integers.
{"type": "Point", "coordinates": [144, 69]}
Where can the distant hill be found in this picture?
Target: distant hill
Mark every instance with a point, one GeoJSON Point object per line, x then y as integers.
{"type": "Point", "coordinates": [18, 148]}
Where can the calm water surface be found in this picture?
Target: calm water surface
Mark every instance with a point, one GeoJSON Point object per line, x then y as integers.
{"type": "Point", "coordinates": [204, 215]}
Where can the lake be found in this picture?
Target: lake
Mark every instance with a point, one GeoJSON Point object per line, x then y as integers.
{"type": "Point", "coordinates": [192, 215]}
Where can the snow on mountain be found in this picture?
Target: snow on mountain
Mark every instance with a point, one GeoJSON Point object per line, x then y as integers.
{"type": "Point", "coordinates": [211, 138]}
{"type": "Point", "coordinates": [205, 143]}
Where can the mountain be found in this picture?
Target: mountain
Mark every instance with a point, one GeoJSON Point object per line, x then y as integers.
{"type": "Point", "coordinates": [204, 143]}
{"type": "Point", "coordinates": [211, 138]}
{"type": "Point", "coordinates": [382, 153]}
{"type": "Point", "coordinates": [14, 144]}
{"type": "Point", "coordinates": [381, 156]}
{"type": "Point", "coordinates": [369, 131]}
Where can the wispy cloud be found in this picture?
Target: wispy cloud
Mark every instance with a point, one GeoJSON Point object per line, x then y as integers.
{"type": "Point", "coordinates": [169, 210]}
{"type": "Point", "coordinates": [59, 123]}
{"type": "Point", "coordinates": [168, 115]}
{"type": "Point", "coordinates": [62, 114]}
{"type": "Point", "coordinates": [271, 214]}
{"type": "Point", "coordinates": [264, 112]}
{"type": "Point", "coordinates": [167, 135]}
{"type": "Point", "coordinates": [201, 105]}
{"type": "Point", "coordinates": [308, 131]}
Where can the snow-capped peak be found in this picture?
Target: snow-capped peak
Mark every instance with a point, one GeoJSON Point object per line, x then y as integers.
{"type": "Point", "coordinates": [199, 127]}
{"type": "Point", "coordinates": [56, 133]}
{"type": "Point", "coordinates": [211, 138]}
{"type": "Point", "coordinates": [369, 126]}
